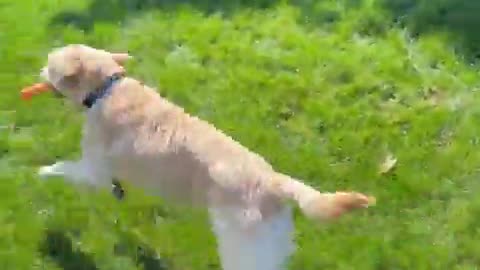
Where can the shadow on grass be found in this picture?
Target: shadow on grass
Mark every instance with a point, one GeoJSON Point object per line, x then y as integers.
{"type": "Point", "coordinates": [58, 246]}
{"type": "Point", "coordinates": [117, 11]}
{"type": "Point", "coordinates": [142, 254]}
{"type": "Point", "coordinates": [457, 17]}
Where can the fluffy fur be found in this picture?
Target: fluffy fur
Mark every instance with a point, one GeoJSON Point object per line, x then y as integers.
{"type": "Point", "coordinates": [135, 135]}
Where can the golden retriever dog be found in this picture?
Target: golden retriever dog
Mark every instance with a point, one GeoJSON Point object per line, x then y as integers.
{"type": "Point", "coordinates": [133, 134]}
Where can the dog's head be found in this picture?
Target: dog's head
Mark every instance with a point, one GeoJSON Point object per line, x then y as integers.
{"type": "Point", "coordinates": [76, 70]}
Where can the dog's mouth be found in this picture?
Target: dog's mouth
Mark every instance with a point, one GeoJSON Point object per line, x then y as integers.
{"type": "Point", "coordinates": [36, 89]}
{"type": "Point", "coordinates": [39, 88]}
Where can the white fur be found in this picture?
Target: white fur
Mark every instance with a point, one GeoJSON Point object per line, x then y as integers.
{"type": "Point", "coordinates": [265, 245]}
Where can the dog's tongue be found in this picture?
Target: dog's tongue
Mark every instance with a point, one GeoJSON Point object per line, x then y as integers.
{"type": "Point", "coordinates": [36, 89]}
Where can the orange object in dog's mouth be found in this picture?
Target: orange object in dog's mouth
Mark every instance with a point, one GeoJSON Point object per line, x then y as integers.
{"type": "Point", "coordinates": [36, 89]}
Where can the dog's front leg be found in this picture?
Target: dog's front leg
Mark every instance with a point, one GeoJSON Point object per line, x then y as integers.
{"type": "Point", "coordinates": [94, 168]}
{"type": "Point", "coordinates": [69, 169]}
{"type": "Point", "coordinates": [88, 170]}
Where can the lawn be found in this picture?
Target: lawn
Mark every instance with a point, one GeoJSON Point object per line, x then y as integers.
{"type": "Point", "coordinates": [324, 90]}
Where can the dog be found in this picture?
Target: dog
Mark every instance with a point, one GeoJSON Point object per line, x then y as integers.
{"type": "Point", "coordinates": [134, 134]}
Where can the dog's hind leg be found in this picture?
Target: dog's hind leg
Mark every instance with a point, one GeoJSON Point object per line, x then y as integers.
{"type": "Point", "coordinates": [264, 245]}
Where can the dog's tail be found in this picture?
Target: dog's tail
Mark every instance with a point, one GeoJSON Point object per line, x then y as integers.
{"type": "Point", "coordinates": [314, 204]}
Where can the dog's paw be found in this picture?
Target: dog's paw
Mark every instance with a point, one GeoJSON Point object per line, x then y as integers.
{"type": "Point", "coordinates": [45, 171]}
{"type": "Point", "coordinates": [52, 170]}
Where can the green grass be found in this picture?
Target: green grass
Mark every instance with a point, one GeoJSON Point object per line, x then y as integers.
{"type": "Point", "coordinates": [323, 89]}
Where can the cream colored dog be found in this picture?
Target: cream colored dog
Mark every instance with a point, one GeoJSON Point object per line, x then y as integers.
{"type": "Point", "coordinates": [133, 134]}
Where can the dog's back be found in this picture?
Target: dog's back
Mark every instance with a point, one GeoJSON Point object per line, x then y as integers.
{"type": "Point", "coordinates": [154, 143]}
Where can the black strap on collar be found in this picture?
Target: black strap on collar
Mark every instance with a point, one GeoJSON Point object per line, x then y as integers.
{"type": "Point", "coordinates": [101, 92]}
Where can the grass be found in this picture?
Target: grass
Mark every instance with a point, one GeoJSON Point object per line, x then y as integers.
{"type": "Point", "coordinates": [325, 90]}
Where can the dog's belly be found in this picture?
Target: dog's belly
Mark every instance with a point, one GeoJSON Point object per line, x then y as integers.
{"type": "Point", "coordinates": [173, 176]}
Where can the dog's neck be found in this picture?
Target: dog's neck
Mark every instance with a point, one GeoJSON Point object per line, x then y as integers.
{"type": "Point", "coordinates": [103, 90]}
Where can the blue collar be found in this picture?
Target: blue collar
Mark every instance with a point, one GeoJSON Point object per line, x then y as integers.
{"type": "Point", "coordinates": [101, 92]}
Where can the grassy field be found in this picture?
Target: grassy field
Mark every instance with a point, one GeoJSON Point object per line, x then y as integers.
{"type": "Point", "coordinates": [325, 90]}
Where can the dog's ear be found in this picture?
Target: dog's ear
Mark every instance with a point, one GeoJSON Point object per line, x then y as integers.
{"type": "Point", "coordinates": [71, 71]}
{"type": "Point", "coordinates": [121, 58]}
{"type": "Point", "coordinates": [72, 67]}
{"type": "Point", "coordinates": [66, 60]}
